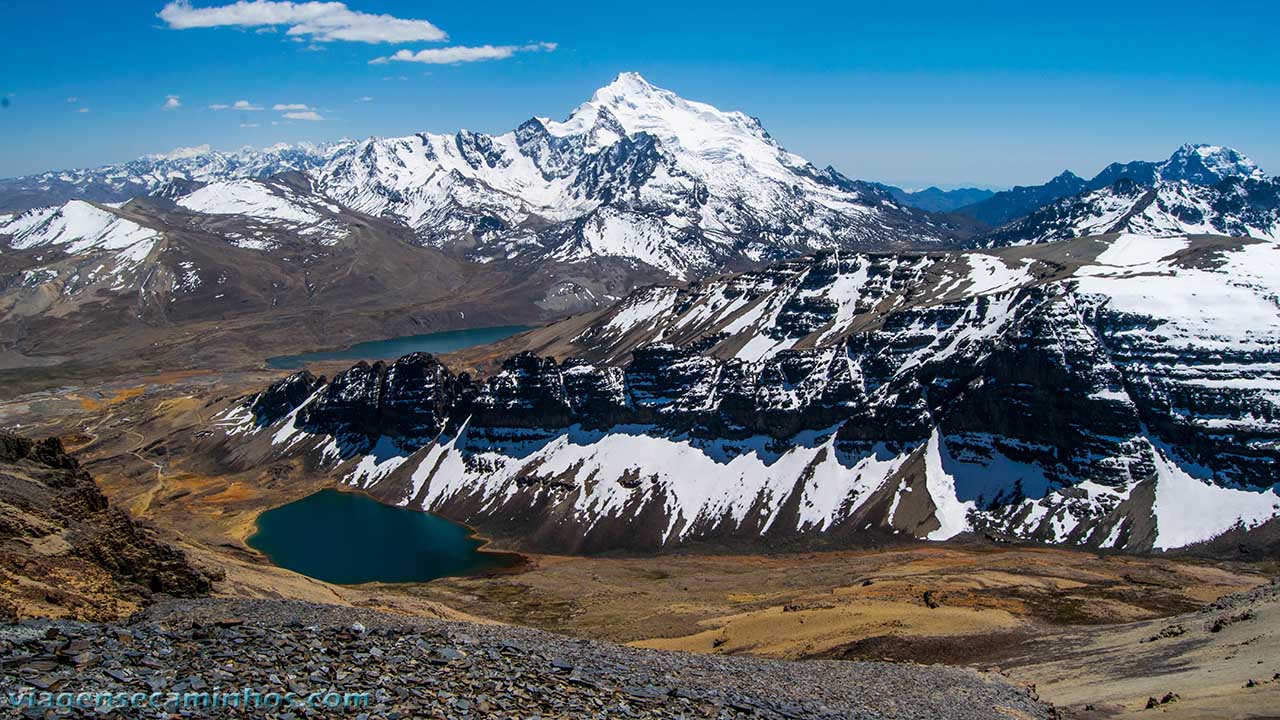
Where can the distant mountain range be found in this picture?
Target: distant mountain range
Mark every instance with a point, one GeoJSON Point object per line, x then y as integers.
{"type": "Point", "coordinates": [935, 199]}
{"type": "Point", "coordinates": [636, 173]}
{"type": "Point", "coordinates": [1243, 207]}
{"type": "Point", "coordinates": [639, 178]}
{"type": "Point", "coordinates": [636, 184]}
{"type": "Point", "coordinates": [148, 174]}
{"type": "Point", "coordinates": [1194, 164]}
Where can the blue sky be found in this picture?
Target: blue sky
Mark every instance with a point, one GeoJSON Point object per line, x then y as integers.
{"type": "Point", "coordinates": [988, 93]}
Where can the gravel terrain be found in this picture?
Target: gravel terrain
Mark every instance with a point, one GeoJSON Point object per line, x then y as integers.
{"type": "Point", "coordinates": [425, 668]}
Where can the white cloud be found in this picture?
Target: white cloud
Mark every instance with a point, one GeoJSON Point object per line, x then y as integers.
{"type": "Point", "coordinates": [172, 102]}
{"type": "Point", "coordinates": [82, 110]}
{"type": "Point", "coordinates": [237, 105]}
{"type": "Point", "coordinates": [321, 21]}
{"type": "Point", "coordinates": [290, 106]}
{"type": "Point", "coordinates": [249, 125]}
{"type": "Point", "coordinates": [461, 54]}
{"type": "Point", "coordinates": [71, 99]}
{"type": "Point", "coordinates": [185, 152]}
{"type": "Point", "coordinates": [366, 98]}
{"type": "Point", "coordinates": [304, 115]}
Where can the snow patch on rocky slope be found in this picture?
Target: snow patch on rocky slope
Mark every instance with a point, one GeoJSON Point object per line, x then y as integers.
{"type": "Point", "coordinates": [75, 228]}
{"type": "Point", "coordinates": [1111, 400]}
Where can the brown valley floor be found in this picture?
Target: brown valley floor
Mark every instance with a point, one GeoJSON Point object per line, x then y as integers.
{"type": "Point", "coordinates": [1078, 625]}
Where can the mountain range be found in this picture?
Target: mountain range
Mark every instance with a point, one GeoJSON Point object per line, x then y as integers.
{"type": "Point", "coordinates": [934, 199]}
{"type": "Point", "coordinates": [635, 173]}
{"type": "Point", "coordinates": [144, 176]}
{"type": "Point", "coordinates": [734, 342]}
{"type": "Point", "coordinates": [636, 185]}
{"type": "Point", "coordinates": [1237, 206]}
{"type": "Point", "coordinates": [1114, 392]}
{"type": "Point", "coordinates": [1194, 164]}
{"type": "Point", "coordinates": [637, 177]}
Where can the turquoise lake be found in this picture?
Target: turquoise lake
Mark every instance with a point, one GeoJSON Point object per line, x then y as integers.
{"type": "Point", "coordinates": [349, 538]}
{"type": "Point", "coordinates": [391, 348]}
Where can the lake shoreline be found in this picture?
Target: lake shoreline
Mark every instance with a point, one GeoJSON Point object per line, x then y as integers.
{"type": "Point", "coordinates": [496, 561]}
{"type": "Point", "coordinates": [439, 343]}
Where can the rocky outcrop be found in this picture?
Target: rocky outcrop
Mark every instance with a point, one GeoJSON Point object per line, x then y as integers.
{"type": "Point", "coordinates": [65, 551]}
{"type": "Point", "coordinates": [409, 401]}
{"type": "Point", "coordinates": [283, 396]}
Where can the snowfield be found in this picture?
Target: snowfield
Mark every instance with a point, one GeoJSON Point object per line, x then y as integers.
{"type": "Point", "coordinates": [76, 228]}
{"type": "Point", "coordinates": [245, 197]}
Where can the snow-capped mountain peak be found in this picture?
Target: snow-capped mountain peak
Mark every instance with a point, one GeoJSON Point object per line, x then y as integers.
{"type": "Point", "coordinates": [77, 227]}
{"type": "Point", "coordinates": [697, 129]}
{"type": "Point", "coordinates": [1199, 189]}
{"type": "Point", "coordinates": [1163, 209]}
{"type": "Point", "coordinates": [1208, 164]}
{"type": "Point", "coordinates": [641, 107]}
{"type": "Point", "coordinates": [182, 153]}
{"type": "Point", "coordinates": [636, 173]}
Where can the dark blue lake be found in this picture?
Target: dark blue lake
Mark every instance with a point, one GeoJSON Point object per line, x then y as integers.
{"type": "Point", "coordinates": [440, 342]}
{"type": "Point", "coordinates": [349, 538]}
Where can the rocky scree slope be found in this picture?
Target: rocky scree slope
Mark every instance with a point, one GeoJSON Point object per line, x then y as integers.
{"type": "Point", "coordinates": [1117, 392]}
{"type": "Point", "coordinates": [439, 669]}
{"type": "Point", "coordinates": [65, 553]}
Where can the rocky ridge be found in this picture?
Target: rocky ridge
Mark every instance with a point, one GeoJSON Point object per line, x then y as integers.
{"type": "Point", "coordinates": [65, 552]}
{"type": "Point", "coordinates": [844, 395]}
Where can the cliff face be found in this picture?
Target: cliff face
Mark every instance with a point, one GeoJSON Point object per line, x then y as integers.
{"type": "Point", "coordinates": [1114, 393]}
{"type": "Point", "coordinates": [65, 552]}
